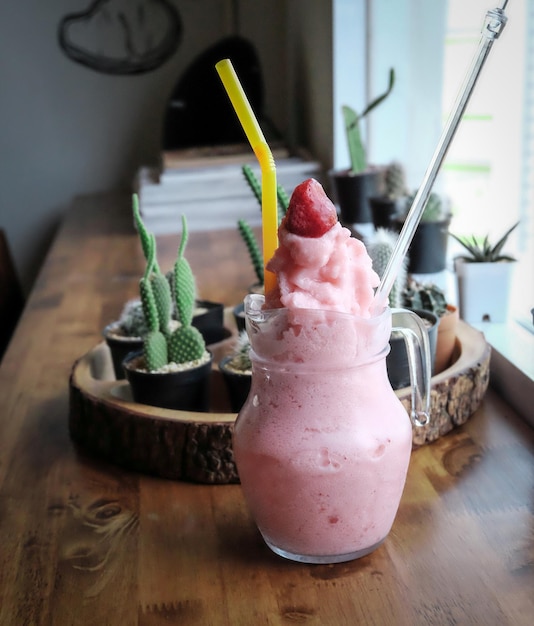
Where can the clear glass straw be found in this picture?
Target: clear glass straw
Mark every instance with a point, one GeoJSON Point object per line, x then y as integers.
{"type": "Point", "coordinates": [494, 23]}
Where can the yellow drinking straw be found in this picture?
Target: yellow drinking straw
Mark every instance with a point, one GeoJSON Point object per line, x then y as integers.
{"type": "Point", "coordinates": [269, 212]}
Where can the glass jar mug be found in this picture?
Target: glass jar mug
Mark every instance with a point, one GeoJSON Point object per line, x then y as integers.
{"type": "Point", "coordinates": [322, 444]}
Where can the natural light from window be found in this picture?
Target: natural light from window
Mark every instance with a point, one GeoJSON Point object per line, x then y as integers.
{"type": "Point", "coordinates": [488, 172]}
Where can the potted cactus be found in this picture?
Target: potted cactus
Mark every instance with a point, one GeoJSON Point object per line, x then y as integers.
{"type": "Point", "coordinates": [428, 250]}
{"type": "Point", "coordinates": [484, 275]}
{"type": "Point", "coordinates": [246, 231]}
{"type": "Point", "coordinates": [354, 186]}
{"type": "Point", "coordinates": [380, 249]}
{"type": "Point", "coordinates": [384, 208]}
{"type": "Point", "coordinates": [249, 238]}
{"type": "Point", "coordinates": [430, 297]}
{"type": "Point", "coordinates": [125, 335]}
{"type": "Point", "coordinates": [256, 257]}
{"type": "Point", "coordinates": [236, 369]}
{"type": "Point", "coordinates": [173, 369]}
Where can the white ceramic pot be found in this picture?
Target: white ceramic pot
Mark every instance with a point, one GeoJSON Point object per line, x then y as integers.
{"type": "Point", "coordinates": [483, 290]}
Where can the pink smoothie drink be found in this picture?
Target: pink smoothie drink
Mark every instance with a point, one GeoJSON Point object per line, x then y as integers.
{"type": "Point", "coordinates": [324, 449]}
{"type": "Point", "coordinates": [322, 444]}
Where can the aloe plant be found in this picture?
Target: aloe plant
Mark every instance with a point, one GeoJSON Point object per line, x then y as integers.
{"type": "Point", "coordinates": [352, 120]}
{"type": "Point", "coordinates": [482, 251]}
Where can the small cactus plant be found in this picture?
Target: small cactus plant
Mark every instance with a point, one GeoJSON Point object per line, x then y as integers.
{"type": "Point", "coordinates": [255, 185]}
{"type": "Point", "coordinates": [380, 249]}
{"type": "Point", "coordinates": [161, 345]}
{"type": "Point", "coordinates": [240, 357]}
{"type": "Point", "coordinates": [426, 296]}
{"type": "Point", "coordinates": [236, 369]}
{"type": "Point", "coordinates": [246, 231]}
{"type": "Point", "coordinates": [132, 322]}
{"type": "Point", "coordinates": [186, 342]}
{"type": "Point", "coordinates": [434, 210]}
{"type": "Point", "coordinates": [352, 120]}
{"type": "Point", "coordinates": [395, 181]}
{"type": "Point", "coordinates": [253, 248]}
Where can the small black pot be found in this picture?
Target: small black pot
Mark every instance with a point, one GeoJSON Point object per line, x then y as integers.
{"type": "Point", "coordinates": [384, 210]}
{"type": "Point", "coordinates": [352, 193]}
{"type": "Point", "coordinates": [237, 384]}
{"type": "Point", "coordinates": [239, 316]}
{"type": "Point", "coordinates": [397, 359]}
{"type": "Point", "coordinates": [120, 347]}
{"type": "Point", "coordinates": [188, 390]}
{"type": "Point", "coordinates": [210, 323]}
{"type": "Point", "coordinates": [428, 251]}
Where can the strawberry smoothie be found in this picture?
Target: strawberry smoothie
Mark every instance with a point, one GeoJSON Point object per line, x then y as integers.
{"type": "Point", "coordinates": [322, 444]}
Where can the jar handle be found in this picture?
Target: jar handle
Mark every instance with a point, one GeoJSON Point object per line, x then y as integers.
{"type": "Point", "coordinates": [415, 336]}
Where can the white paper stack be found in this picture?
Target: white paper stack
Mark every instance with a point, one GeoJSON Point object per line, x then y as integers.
{"type": "Point", "coordinates": [210, 191]}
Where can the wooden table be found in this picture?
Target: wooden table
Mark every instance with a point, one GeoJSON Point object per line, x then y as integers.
{"type": "Point", "coordinates": [83, 542]}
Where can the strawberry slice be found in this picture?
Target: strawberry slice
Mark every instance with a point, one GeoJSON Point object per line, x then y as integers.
{"type": "Point", "coordinates": [310, 212]}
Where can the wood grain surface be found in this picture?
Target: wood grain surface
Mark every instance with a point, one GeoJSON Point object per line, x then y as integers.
{"type": "Point", "coordinates": [84, 542]}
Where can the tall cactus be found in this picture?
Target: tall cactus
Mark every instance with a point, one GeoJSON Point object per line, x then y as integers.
{"type": "Point", "coordinates": [186, 342]}
{"type": "Point", "coordinates": [160, 345]}
{"type": "Point", "coordinates": [380, 250]}
{"type": "Point", "coordinates": [255, 185]}
{"type": "Point", "coordinates": [352, 120]}
{"type": "Point", "coordinates": [253, 248]}
{"type": "Point", "coordinates": [245, 230]}
{"type": "Point", "coordinates": [156, 301]}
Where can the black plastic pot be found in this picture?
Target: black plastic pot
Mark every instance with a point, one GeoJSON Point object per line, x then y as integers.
{"type": "Point", "coordinates": [188, 390]}
{"type": "Point", "coordinates": [352, 193]}
{"type": "Point", "coordinates": [120, 347]}
{"type": "Point", "coordinates": [237, 384]}
{"type": "Point", "coordinates": [239, 316]}
{"type": "Point", "coordinates": [210, 322]}
{"type": "Point", "coordinates": [397, 359]}
{"type": "Point", "coordinates": [384, 210]}
{"type": "Point", "coordinates": [428, 251]}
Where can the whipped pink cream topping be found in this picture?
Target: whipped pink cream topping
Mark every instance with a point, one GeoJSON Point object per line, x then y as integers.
{"type": "Point", "coordinates": [332, 272]}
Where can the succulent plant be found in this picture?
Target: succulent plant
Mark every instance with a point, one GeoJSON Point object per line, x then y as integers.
{"type": "Point", "coordinates": [380, 249]}
{"type": "Point", "coordinates": [482, 251]}
{"type": "Point", "coordinates": [132, 321]}
{"type": "Point", "coordinates": [434, 210]}
{"type": "Point", "coordinates": [246, 231]}
{"type": "Point", "coordinates": [240, 357]}
{"type": "Point", "coordinates": [255, 185]}
{"type": "Point", "coordinates": [426, 296]}
{"type": "Point", "coordinates": [395, 181]}
{"type": "Point", "coordinates": [253, 248]}
{"type": "Point", "coordinates": [186, 342]}
{"type": "Point", "coordinates": [161, 345]}
{"type": "Point", "coordinates": [352, 120]}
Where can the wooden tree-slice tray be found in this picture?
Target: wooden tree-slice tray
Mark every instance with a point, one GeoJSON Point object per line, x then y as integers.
{"type": "Point", "coordinates": [182, 445]}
